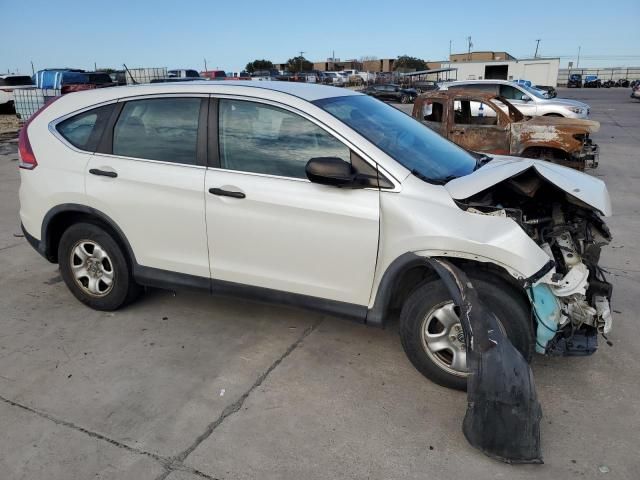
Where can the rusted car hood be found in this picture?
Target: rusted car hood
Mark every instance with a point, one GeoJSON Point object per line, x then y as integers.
{"type": "Point", "coordinates": [575, 125]}
{"type": "Point", "coordinates": [583, 187]}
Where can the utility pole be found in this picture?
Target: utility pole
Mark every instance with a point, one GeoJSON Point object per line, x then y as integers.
{"type": "Point", "coordinates": [578, 61]}
{"type": "Point", "coordinates": [301, 54]}
{"type": "Point", "coordinates": [205, 64]}
{"type": "Point", "coordinates": [469, 45]}
{"type": "Point", "coordinates": [535, 55]}
{"type": "Point", "coordinates": [33, 70]}
{"type": "Point", "coordinates": [450, 43]}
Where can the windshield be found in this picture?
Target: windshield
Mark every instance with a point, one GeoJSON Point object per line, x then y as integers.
{"type": "Point", "coordinates": [415, 146]}
{"type": "Point", "coordinates": [534, 91]}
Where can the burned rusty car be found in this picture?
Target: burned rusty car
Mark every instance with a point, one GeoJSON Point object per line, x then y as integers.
{"type": "Point", "coordinates": [485, 122]}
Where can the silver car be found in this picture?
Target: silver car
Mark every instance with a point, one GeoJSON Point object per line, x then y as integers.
{"type": "Point", "coordinates": [530, 101]}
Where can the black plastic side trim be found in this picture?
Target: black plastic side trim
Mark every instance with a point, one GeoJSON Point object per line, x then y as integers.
{"type": "Point", "coordinates": [155, 277]}
{"type": "Point", "coordinates": [332, 307]}
{"type": "Point", "coordinates": [33, 241]}
{"type": "Point", "coordinates": [376, 315]}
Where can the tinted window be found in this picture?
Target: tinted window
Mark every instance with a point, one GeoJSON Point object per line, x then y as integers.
{"type": "Point", "coordinates": [409, 142]}
{"type": "Point", "coordinates": [263, 139]}
{"type": "Point", "coordinates": [160, 129]}
{"type": "Point", "coordinates": [84, 130]}
{"type": "Point", "coordinates": [510, 93]}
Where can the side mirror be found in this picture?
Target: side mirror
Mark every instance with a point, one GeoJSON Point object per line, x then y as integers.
{"type": "Point", "coordinates": [331, 171]}
{"type": "Point", "coordinates": [526, 98]}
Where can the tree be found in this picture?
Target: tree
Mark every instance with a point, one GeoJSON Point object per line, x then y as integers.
{"type": "Point", "coordinates": [258, 65]}
{"type": "Point", "coordinates": [405, 62]}
{"type": "Point", "coordinates": [299, 64]}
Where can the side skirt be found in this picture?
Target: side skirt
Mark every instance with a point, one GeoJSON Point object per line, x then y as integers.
{"type": "Point", "coordinates": [154, 277]}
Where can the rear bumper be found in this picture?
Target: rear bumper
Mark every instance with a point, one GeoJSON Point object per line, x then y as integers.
{"type": "Point", "coordinates": [34, 242]}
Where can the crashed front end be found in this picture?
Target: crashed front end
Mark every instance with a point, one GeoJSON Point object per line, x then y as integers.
{"type": "Point", "coordinates": [571, 296]}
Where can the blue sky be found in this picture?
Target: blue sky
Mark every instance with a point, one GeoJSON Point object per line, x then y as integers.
{"type": "Point", "coordinates": [180, 33]}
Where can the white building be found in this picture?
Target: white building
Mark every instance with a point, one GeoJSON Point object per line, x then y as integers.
{"type": "Point", "coordinates": [540, 71]}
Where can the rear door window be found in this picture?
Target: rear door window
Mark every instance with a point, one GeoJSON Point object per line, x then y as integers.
{"type": "Point", "coordinates": [164, 129]}
{"type": "Point", "coordinates": [84, 130]}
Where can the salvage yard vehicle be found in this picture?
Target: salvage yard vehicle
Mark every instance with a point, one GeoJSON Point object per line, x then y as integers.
{"type": "Point", "coordinates": [592, 81]}
{"type": "Point", "coordinates": [391, 92]}
{"type": "Point", "coordinates": [9, 83]}
{"type": "Point", "coordinates": [575, 81]}
{"type": "Point", "coordinates": [484, 122]}
{"type": "Point", "coordinates": [317, 197]}
{"type": "Point", "coordinates": [529, 101]}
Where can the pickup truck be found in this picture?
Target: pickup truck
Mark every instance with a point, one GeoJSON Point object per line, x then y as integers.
{"type": "Point", "coordinates": [485, 122]}
{"type": "Point", "coordinates": [9, 83]}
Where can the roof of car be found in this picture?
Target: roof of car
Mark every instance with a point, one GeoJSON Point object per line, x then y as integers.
{"type": "Point", "coordinates": [462, 82]}
{"type": "Point", "coordinates": [306, 91]}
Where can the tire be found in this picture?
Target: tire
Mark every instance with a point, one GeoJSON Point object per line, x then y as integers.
{"type": "Point", "coordinates": [404, 99]}
{"type": "Point", "coordinates": [95, 268]}
{"type": "Point", "coordinates": [552, 115]}
{"type": "Point", "coordinates": [509, 306]}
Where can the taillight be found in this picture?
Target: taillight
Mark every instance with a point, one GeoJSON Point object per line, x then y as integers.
{"type": "Point", "coordinates": [27, 159]}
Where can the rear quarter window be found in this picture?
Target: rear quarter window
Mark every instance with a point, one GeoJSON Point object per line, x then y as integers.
{"type": "Point", "coordinates": [84, 130]}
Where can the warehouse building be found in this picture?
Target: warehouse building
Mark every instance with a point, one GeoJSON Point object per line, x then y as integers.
{"type": "Point", "coordinates": [502, 66]}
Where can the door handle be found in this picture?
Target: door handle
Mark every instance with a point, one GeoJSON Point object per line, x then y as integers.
{"type": "Point", "coordinates": [103, 173]}
{"type": "Point", "coordinates": [226, 193]}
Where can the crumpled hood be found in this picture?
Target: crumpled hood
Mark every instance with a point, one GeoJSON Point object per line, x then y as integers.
{"type": "Point", "coordinates": [587, 189]}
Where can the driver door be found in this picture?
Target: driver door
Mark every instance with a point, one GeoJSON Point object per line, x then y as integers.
{"type": "Point", "coordinates": [268, 225]}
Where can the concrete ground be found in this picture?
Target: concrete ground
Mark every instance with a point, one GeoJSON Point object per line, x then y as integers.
{"type": "Point", "coordinates": [186, 386]}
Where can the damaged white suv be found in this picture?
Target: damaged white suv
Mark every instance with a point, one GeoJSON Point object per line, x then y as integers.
{"type": "Point", "coordinates": [317, 197]}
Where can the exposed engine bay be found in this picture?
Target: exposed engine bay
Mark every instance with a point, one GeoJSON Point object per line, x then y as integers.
{"type": "Point", "coordinates": [571, 301]}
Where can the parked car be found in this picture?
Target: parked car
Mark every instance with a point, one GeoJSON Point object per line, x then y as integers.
{"type": "Point", "coordinates": [87, 81]}
{"type": "Point", "coordinates": [608, 84]}
{"type": "Point", "coordinates": [635, 91]}
{"type": "Point", "coordinates": [183, 73]}
{"type": "Point", "coordinates": [592, 81]}
{"type": "Point", "coordinates": [484, 122]}
{"type": "Point", "coordinates": [529, 101]}
{"type": "Point", "coordinates": [623, 82]}
{"type": "Point", "coordinates": [392, 92]}
{"type": "Point", "coordinates": [361, 77]}
{"type": "Point", "coordinates": [9, 83]}
{"type": "Point", "coordinates": [317, 197]}
{"type": "Point", "coordinates": [333, 78]}
{"type": "Point", "coordinates": [575, 81]}
{"type": "Point", "coordinates": [214, 74]}
{"type": "Point", "coordinates": [422, 86]}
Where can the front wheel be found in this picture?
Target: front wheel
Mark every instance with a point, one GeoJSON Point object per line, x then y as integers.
{"type": "Point", "coordinates": [432, 335]}
{"type": "Point", "coordinates": [404, 99]}
{"type": "Point", "coordinates": [95, 268]}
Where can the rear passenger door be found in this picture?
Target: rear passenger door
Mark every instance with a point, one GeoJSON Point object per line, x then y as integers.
{"type": "Point", "coordinates": [148, 177]}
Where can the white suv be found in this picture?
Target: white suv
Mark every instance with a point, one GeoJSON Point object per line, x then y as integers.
{"type": "Point", "coordinates": [530, 101]}
{"type": "Point", "coordinates": [312, 196]}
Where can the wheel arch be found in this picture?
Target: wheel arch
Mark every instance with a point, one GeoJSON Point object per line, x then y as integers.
{"type": "Point", "coordinates": [409, 270]}
{"type": "Point", "coordinates": [61, 217]}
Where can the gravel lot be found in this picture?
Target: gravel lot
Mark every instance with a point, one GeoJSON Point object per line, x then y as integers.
{"type": "Point", "coordinates": [186, 386]}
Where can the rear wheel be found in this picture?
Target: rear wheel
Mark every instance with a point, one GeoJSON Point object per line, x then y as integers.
{"type": "Point", "coordinates": [431, 332]}
{"type": "Point", "coordinates": [95, 268]}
